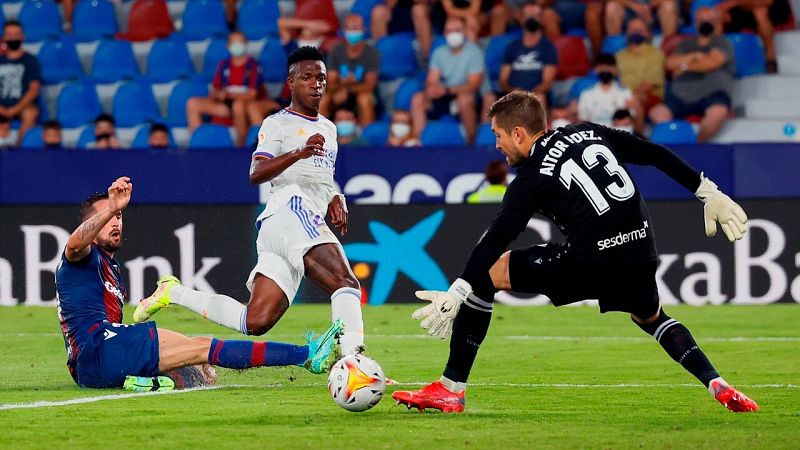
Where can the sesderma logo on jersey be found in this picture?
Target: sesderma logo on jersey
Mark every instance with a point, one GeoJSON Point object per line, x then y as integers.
{"type": "Point", "coordinates": [624, 238]}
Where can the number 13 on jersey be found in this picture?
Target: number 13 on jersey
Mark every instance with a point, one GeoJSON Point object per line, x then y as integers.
{"type": "Point", "coordinates": [621, 188]}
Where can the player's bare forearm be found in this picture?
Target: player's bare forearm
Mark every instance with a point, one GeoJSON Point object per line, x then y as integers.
{"type": "Point", "coordinates": [79, 240]}
{"type": "Point", "coordinates": [265, 169]}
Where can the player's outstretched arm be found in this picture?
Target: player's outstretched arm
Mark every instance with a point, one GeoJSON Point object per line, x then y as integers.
{"type": "Point", "coordinates": [263, 169]}
{"type": "Point", "coordinates": [78, 244]}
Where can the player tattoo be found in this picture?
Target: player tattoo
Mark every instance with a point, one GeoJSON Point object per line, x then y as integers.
{"type": "Point", "coordinates": [89, 229]}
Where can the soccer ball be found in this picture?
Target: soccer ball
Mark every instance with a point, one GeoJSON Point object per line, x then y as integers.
{"type": "Point", "coordinates": [356, 383]}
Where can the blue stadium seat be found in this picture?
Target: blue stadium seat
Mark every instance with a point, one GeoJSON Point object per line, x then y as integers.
{"type": "Point", "coordinates": [258, 19]}
{"type": "Point", "coordinates": [252, 136]}
{"type": "Point", "coordinates": [203, 19]}
{"type": "Point", "coordinates": [748, 53]}
{"type": "Point", "coordinates": [364, 9]}
{"type": "Point", "coordinates": [59, 61]}
{"type": "Point", "coordinates": [580, 85]}
{"type": "Point", "coordinates": [176, 105]}
{"type": "Point", "coordinates": [77, 104]}
{"type": "Point", "coordinates": [494, 56]}
{"type": "Point", "coordinates": [40, 19]}
{"type": "Point", "coordinates": [438, 41]}
{"type": "Point", "coordinates": [93, 20]}
{"type": "Point", "coordinates": [273, 61]}
{"type": "Point", "coordinates": [485, 135]}
{"type": "Point", "coordinates": [33, 138]}
{"type": "Point", "coordinates": [614, 43]}
{"type": "Point", "coordinates": [442, 133]}
{"type": "Point", "coordinates": [217, 51]}
{"type": "Point", "coordinates": [86, 136]}
{"type": "Point", "coordinates": [140, 140]}
{"type": "Point", "coordinates": [113, 61]}
{"type": "Point", "coordinates": [673, 132]}
{"type": "Point", "coordinates": [134, 104]}
{"type": "Point", "coordinates": [398, 57]}
{"type": "Point", "coordinates": [168, 61]}
{"type": "Point", "coordinates": [376, 133]}
{"type": "Point", "coordinates": [406, 90]}
{"type": "Point", "coordinates": [210, 136]}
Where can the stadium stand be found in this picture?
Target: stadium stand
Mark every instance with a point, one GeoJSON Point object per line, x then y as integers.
{"type": "Point", "coordinates": [210, 136]}
{"type": "Point", "coordinates": [111, 46]}
{"type": "Point", "coordinates": [442, 132]}
{"type": "Point", "coordinates": [673, 132]}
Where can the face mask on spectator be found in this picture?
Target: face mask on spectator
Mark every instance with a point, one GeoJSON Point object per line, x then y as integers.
{"type": "Point", "coordinates": [345, 128]}
{"type": "Point", "coordinates": [237, 48]}
{"type": "Point", "coordinates": [309, 42]}
{"type": "Point", "coordinates": [102, 136]}
{"type": "Point", "coordinates": [636, 38]}
{"type": "Point", "coordinates": [605, 76]}
{"type": "Point", "coordinates": [454, 39]}
{"type": "Point", "coordinates": [400, 130]}
{"type": "Point", "coordinates": [14, 44]}
{"type": "Point", "coordinates": [353, 37]}
{"type": "Point", "coordinates": [706, 29]}
{"type": "Point", "coordinates": [532, 25]}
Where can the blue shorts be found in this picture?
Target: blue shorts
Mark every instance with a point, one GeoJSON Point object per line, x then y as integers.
{"type": "Point", "coordinates": [117, 350]}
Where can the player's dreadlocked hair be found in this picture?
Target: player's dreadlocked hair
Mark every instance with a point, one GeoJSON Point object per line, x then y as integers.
{"type": "Point", "coordinates": [519, 109]}
{"type": "Point", "coordinates": [306, 53]}
{"type": "Point", "coordinates": [87, 205]}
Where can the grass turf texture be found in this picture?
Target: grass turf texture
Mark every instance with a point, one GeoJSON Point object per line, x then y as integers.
{"type": "Point", "coordinates": [647, 400]}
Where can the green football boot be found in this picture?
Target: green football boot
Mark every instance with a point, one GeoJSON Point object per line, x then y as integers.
{"type": "Point", "coordinates": [324, 351]}
{"type": "Point", "coordinates": [157, 301]}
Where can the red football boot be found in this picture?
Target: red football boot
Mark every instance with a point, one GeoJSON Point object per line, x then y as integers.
{"type": "Point", "coordinates": [730, 397]}
{"type": "Point", "coordinates": [433, 396]}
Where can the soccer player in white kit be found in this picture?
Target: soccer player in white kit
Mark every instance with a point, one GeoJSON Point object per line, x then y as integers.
{"type": "Point", "coordinates": [296, 153]}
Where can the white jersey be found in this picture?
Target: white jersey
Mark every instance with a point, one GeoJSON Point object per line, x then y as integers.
{"type": "Point", "coordinates": [310, 178]}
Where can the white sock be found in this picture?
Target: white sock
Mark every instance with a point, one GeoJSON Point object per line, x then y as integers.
{"type": "Point", "coordinates": [217, 308]}
{"type": "Point", "coordinates": [456, 387]}
{"type": "Point", "coordinates": [346, 305]}
{"type": "Point", "coordinates": [711, 384]}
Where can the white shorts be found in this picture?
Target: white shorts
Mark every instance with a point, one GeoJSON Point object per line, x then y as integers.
{"type": "Point", "coordinates": [283, 239]}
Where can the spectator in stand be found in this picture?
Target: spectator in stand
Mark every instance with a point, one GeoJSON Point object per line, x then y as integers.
{"type": "Point", "coordinates": [455, 75]}
{"type": "Point", "coordinates": [399, 16]}
{"type": "Point", "coordinates": [347, 132]}
{"type": "Point", "coordinates": [8, 137]}
{"type": "Point", "coordinates": [158, 136]}
{"type": "Point", "coordinates": [237, 92]}
{"type": "Point", "coordinates": [353, 68]}
{"type": "Point", "coordinates": [51, 134]}
{"type": "Point", "coordinates": [617, 12]}
{"type": "Point", "coordinates": [67, 6]}
{"type": "Point", "coordinates": [475, 14]}
{"type": "Point", "coordinates": [497, 178]}
{"type": "Point", "coordinates": [302, 33]}
{"type": "Point", "coordinates": [105, 133]}
{"type": "Point", "coordinates": [702, 77]}
{"type": "Point", "coordinates": [738, 15]}
{"type": "Point", "coordinates": [598, 103]}
{"type": "Point", "coordinates": [622, 120]}
{"type": "Point", "coordinates": [641, 65]}
{"type": "Point", "coordinates": [401, 133]}
{"type": "Point", "coordinates": [529, 63]}
{"type": "Point", "coordinates": [20, 79]}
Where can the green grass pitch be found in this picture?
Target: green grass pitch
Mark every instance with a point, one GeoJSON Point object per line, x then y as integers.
{"type": "Point", "coordinates": [545, 378]}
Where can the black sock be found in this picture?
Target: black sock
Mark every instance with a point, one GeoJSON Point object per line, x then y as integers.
{"type": "Point", "coordinates": [680, 345]}
{"type": "Point", "coordinates": [469, 330]}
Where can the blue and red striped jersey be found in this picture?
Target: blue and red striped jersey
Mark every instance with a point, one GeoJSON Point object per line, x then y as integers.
{"type": "Point", "coordinates": [88, 292]}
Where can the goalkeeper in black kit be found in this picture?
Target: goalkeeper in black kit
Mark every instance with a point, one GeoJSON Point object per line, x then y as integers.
{"type": "Point", "coordinates": [576, 177]}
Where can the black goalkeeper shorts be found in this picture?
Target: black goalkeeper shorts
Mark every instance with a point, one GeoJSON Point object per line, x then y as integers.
{"type": "Point", "coordinates": [549, 269]}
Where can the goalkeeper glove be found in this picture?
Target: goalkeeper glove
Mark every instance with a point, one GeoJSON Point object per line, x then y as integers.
{"type": "Point", "coordinates": [437, 318]}
{"type": "Point", "coordinates": [720, 208]}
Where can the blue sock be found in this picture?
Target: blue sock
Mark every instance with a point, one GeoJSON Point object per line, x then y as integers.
{"type": "Point", "coordinates": [246, 354]}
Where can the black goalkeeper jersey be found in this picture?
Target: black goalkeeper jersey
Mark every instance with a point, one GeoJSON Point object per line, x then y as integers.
{"type": "Point", "coordinates": [576, 177]}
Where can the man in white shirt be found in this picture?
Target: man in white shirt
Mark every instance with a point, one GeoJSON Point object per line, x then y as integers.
{"type": "Point", "coordinates": [296, 154]}
{"type": "Point", "coordinates": [598, 103]}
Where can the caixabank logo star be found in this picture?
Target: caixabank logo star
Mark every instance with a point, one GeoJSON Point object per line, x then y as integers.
{"type": "Point", "coordinates": [395, 252]}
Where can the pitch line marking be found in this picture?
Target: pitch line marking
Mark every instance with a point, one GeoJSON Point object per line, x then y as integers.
{"type": "Point", "coordinates": [99, 398]}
